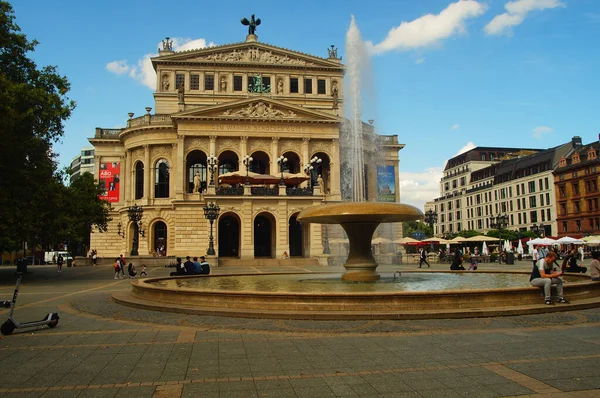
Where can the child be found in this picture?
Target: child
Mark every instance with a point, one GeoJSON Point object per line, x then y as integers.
{"type": "Point", "coordinates": [143, 270]}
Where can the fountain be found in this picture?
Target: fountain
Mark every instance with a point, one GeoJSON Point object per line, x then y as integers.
{"type": "Point", "coordinates": [360, 293]}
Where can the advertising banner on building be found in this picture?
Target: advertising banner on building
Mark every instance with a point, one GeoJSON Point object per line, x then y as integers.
{"type": "Point", "coordinates": [386, 188]}
{"type": "Point", "coordinates": [109, 181]}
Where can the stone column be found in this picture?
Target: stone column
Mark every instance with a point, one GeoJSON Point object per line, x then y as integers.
{"type": "Point", "coordinates": [212, 149]}
{"type": "Point", "coordinates": [147, 174]}
{"type": "Point", "coordinates": [174, 170]}
{"type": "Point", "coordinates": [305, 153]}
{"type": "Point", "coordinates": [274, 155]}
{"type": "Point", "coordinates": [243, 152]}
{"type": "Point", "coordinates": [180, 181]}
{"type": "Point", "coordinates": [334, 167]}
{"type": "Point", "coordinates": [246, 233]}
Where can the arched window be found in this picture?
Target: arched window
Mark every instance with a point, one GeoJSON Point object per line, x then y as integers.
{"type": "Point", "coordinates": [139, 180]}
{"type": "Point", "coordinates": [228, 162]}
{"type": "Point", "coordinates": [161, 179]}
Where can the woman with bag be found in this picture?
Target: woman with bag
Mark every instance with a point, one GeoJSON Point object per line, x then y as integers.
{"type": "Point", "coordinates": [117, 267]}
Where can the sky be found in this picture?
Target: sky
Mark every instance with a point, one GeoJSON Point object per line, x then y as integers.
{"type": "Point", "coordinates": [446, 76]}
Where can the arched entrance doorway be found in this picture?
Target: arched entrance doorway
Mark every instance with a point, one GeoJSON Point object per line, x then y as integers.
{"type": "Point", "coordinates": [264, 235]}
{"type": "Point", "coordinates": [229, 235]}
{"type": "Point", "coordinates": [296, 234]}
{"type": "Point", "coordinates": [160, 238]}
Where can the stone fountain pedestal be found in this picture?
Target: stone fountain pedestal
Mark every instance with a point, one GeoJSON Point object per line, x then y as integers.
{"type": "Point", "coordinates": [360, 220]}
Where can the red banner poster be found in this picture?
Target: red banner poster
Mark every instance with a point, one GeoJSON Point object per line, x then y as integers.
{"type": "Point", "coordinates": [109, 181]}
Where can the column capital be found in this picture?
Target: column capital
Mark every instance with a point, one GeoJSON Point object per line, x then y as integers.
{"type": "Point", "coordinates": [213, 139]}
{"type": "Point", "coordinates": [305, 139]}
{"type": "Point", "coordinates": [244, 138]}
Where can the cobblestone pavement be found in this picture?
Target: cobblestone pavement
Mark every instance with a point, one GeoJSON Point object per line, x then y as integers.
{"type": "Point", "coordinates": [102, 349]}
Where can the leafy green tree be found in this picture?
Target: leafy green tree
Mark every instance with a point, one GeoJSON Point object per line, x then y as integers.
{"type": "Point", "coordinates": [410, 227]}
{"type": "Point", "coordinates": [468, 233]}
{"type": "Point", "coordinates": [33, 107]}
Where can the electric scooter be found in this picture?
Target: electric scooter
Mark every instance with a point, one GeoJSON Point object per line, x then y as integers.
{"type": "Point", "coordinates": [11, 324]}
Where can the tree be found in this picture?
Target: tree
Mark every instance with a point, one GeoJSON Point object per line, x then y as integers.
{"type": "Point", "coordinates": [33, 107]}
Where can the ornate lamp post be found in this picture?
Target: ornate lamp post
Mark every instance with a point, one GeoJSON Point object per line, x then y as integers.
{"type": "Point", "coordinates": [431, 218]}
{"type": "Point", "coordinates": [315, 162]}
{"type": "Point", "coordinates": [211, 212]}
{"type": "Point", "coordinates": [499, 222]}
{"type": "Point", "coordinates": [247, 160]}
{"type": "Point", "coordinates": [281, 161]}
{"type": "Point", "coordinates": [135, 214]}
{"type": "Point", "coordinates": [538, 230]}
{"type": "Point", "coordinates": [211, 163]}
{"type": "Point", "coordinates": [308, 171]}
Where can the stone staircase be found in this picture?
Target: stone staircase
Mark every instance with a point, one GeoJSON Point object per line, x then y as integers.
{"type": "Point", "coordinates": [268, 262]}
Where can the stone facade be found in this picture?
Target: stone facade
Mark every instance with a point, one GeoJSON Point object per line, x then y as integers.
{"type": "Point", "coordinates": [231, 102]}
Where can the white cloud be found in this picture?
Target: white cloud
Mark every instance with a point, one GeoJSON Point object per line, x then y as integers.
{"type": "Point", "coordinates": [117, 67]}
{"type": "Point", "coordinates": [418, 188]}
{"type": "Point", "coordinates": [516, 13]}
{"type": "Point", "coordinates": [143, 71]}
{"type": "Point", "coordinates": [420, 60]}
{"type": "Point", "coordinates": [468, 146]}
{"type": "Point", "coordinates": [541, 130]}
{"type": "Point", "coordinates": [430, 29]}
{"type": "Point", "coordinates": [454, 126]}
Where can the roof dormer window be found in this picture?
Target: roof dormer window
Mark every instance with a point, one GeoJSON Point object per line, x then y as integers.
{"type": "Point", "coordinates": [563, 162]}
{"type": "Point", "coordinates": [575, 158]}
{"type": "Point", "coordinates": [592, 154]}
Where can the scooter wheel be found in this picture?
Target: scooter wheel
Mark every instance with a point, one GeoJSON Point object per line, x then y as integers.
{"type": "Point", "coordinates": [54, 321]}
{"type": "Point", "coordinates": [7, 328]}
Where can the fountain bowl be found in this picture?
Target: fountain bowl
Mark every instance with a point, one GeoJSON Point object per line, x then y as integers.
{"type": "Point", "coordinates": [360, 220]}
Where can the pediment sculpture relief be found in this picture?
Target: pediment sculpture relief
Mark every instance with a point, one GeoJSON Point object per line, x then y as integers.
{"type": "Point", "coordinates": [254, 54]}
{"type": "Point", "coordinates": [259, 110]}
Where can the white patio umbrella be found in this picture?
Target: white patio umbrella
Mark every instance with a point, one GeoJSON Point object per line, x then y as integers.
{"type": "Point", "coordinates": [520, 247]}
{"type": "Point", "coordinates": [568, 240]}
{"type": "Point", "coordinates": [484, 250]}
{"type": "Point", "coordinates": [380, 240]}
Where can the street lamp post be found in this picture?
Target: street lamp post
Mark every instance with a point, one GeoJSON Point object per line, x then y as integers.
{"type": "Point", "coordinates": [281, 161]}
{"type": "Point", "coordinates": [211, 212]}
{"type": "Point", "coordinates": [538, 230]}
{"type": "Point", "coordinates": [431, 218]}
{"type": "Point", "coordinates": [135, 214]}
{"type": "Point", "coordinates": [499, 222]}
{"type": "Point", "coordinates": [308, 171]}
{"type": "Point", "coordinates": [211, 163]}
{"type": "Point", "coordinates": [247, 160]}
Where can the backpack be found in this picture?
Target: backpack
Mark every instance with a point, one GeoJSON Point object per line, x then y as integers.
{"type": "Point", "coordinates": [116, 265]}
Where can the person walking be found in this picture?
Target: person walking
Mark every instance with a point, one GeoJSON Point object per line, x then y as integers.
{"type": "Point", "coordinates": [143, 272]}
{"type": "Point", "coordinates": [423, 258]}
{"type": "Point", "coordinates": [94, 257]}
{"type": "Point", "coordinates": [122, 265]}
{"type": "Point", "coordinates": [117, 267]}
{"type": "Point", "coordinates": [59, 263]}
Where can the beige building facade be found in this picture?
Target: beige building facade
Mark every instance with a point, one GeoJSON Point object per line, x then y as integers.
{"type": "Point", "coordinates": [214, 109]}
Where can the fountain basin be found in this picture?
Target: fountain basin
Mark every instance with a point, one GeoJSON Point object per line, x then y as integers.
{"type": "Point", "coordinates": [155, 294]}
{"type": "Point", "coordinates": [360, 220]}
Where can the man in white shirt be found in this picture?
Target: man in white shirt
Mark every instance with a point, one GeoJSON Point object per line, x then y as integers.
{"type": "Point", "coordinates": [581, 253]}
{"type": "Point", "coordinates": [534, 255]}
{"type": "Point", "coordinates": [545, 274]}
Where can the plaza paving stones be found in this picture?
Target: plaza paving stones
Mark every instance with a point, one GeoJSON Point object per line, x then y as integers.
{"type": "Point", "coordinates": [103, 349]}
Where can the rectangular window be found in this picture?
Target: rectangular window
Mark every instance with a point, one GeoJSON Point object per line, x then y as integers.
{"type": "Point", "coordinates": [564, 226]}
{"type": "Point", "coordinates": [519, 216]}
{"type": "Point", "coordinates": [533, 216]}
{"type": "Point", "coordinates": [321, 86]}
{"type": "Point", "coordinates": [238, 83]}
{"type": "Point", "coordinates": [518, 204]}
{"type": "Point", "coordinates": [463, 181]}
{"type": "Point", "coordinates": [578, 223]}
{"type": "Point", "coordinates": [293, 84]}
{"type": "Point", "coordinates": [541, 200]}
{"type": "Point", "coordinates": [209, 82]}
{"type": "Point", "coordinates": [307, 86]}
{"type": "Point", "coordinates": [548, 214]}
{"type": "Point", "coordinates": [562, 191]}
{"type": "Point", "coordinates": [575, 189]}
{"type": "Point", "coordinates": [266, 82]}
{"type": "Point", "coordinates": [457, 203]}
{"type": "Point", "coordinates": [546, 183]}
{"type": "Point", "coordinates": [523, 203]}
{"type": "Point", "coordinates": [179, 80]}
{"type": "Point", "coordinates": [540, 185]}
{"type": "Point", "coordinates": [511, 205]}
{"type": "Point", "coordinates": [563, 209]}
{"type": "Point", "coordinates": [548, 198]}
{"type": "Point", "coordinates": [577, 209]}
{"type": "Point", "coordinates": [194, 81]}
{"type": "Point", "coordinates": [523, 188]}
{"type": "Point", "coordinates": [531, 186]}
{"type": "Point", "coordinates": [524, 218]}
{"type": "Point", "coordinates": [510, 192]}
{"type": "Point", "coordinates": [543, 214]}
{"type": "Point", "coordinates": [512, 219]}
{"type": "Point", "coordinates": [518, 190]}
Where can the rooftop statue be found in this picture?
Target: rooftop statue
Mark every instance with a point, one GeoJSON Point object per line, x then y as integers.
{"type": "Point", "coordinates": [252, 24]}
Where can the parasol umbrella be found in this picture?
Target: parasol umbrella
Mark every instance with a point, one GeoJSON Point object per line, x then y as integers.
{"type": "Point", "coordinates": [457, 240]}
{"type": "Point", "coordinates": [238, 177]}
{"type": "Point", "coordinates": [407, 241]}
{"type": "Point", "coordinates": [484, 249]}
{"type": "Point", "coordinates": [520, 247]}
{"type": "Point", "coordinates": [568, 240]}
{"type": "Point", "coordinates": [294, 179]}
{"type": "Point", "coordinates": [481, 238]}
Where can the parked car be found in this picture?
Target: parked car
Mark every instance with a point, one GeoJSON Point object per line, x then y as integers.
{"type": "Point", "coordinates": [49, 256]}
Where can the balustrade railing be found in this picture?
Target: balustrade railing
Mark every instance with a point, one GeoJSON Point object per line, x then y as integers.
{"type": "Point", "coordinates": [230, 191]}
{"type": "Point", "coordinates": [298, 191]}
{"type": "Point", "coordinates": [264, 191]}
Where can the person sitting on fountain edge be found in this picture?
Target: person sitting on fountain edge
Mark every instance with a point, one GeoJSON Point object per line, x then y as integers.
{"type": "Point", "coordinates": [204, 266]}
{"type": "Point", "coordinates": [179, 268]}
{"type": "Point", "coordinates": [189, 265]}
{"type": "Point", "coordinates": [457, 261]}
{"type": "Point", "coordinates": [545, 274]}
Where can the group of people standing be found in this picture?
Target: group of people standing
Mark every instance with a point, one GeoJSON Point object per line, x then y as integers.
{"type": "Point", "coordinates": [190, 267]}
{"type": "Point", "coordinates": [119, 267]}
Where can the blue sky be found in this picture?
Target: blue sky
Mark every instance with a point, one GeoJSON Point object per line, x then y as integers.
{"type": "Point", "coordinates": [447, 75]}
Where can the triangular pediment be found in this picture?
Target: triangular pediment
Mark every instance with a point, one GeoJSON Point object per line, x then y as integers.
{"type": "Point", "coordinates": [258, 109]}
{"type": "Point", "coordinates": [247, 53]}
